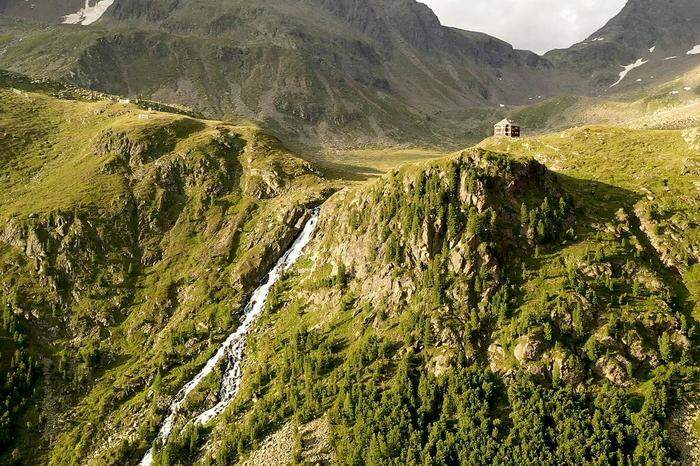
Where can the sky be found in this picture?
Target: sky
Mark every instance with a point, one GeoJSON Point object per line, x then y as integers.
{"type": "Point", "coordinates": [537, 25]}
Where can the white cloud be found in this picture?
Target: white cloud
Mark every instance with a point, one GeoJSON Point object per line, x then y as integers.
{"type": "Point", "coordinates": [538, 25]}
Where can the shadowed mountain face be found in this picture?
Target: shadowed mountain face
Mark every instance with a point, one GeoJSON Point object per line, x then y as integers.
{"type": "Point", "coordinates": [333, 69]}
{"type": "Point", "coordinates": [332, 72]}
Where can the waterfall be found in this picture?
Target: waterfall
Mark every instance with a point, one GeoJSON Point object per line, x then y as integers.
{"type": "Point", "coordinates": [233, 348]}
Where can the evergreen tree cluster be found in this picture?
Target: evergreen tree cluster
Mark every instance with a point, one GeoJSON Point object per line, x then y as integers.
{"type": "Point", "coordinates": [17, 379]}
{"type": "Point", "coordinates": [391, 410]}
{"type": "Point", "coordinates": [468, 417]}
{"type": "Point", "coordinates": [545, 224]}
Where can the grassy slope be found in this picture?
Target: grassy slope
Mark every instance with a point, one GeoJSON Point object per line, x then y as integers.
{"type": "Point", "coordinates": [660, 173]}
{"type": "Point", "coordinates": [658, 169]}
{"type": "Point", "coordinates": [672, 104]}
{"type": "Point", "coordinates": [134, 236]}
{"type": "Point", "coordinates": [67, 158]}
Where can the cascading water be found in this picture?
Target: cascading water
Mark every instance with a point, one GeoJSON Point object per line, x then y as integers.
{"type": "Point", "coordinates": [232, 349]}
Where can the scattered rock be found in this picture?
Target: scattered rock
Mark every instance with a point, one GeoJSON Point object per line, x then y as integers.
{"type": "Point", "coordinates": [614, 368]}
{"type": "Point", "coordinates": [278, 448]}
{"type": "Point", "coordinates": [527, 349]}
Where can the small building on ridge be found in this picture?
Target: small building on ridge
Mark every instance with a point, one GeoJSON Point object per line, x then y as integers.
{"type": "Point", "coordinates": [506, 128]}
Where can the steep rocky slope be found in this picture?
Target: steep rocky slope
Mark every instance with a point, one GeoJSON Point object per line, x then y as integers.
{"type": "Point", "coordinates": [130, 239]}
{"type": "Point", "coordinates": [441, 311]}
{"type": "Point", "coordinates": [475, 308]}
{"type": "Point", "coordinates": [323, 71]}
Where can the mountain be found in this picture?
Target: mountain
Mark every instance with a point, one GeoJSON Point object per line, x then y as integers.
{"type": "Point", "coordinates": [470, 298]}
{"type": "Point", "coordinates": [329, 71]}
{"type": "Point", "coordinates": [337, 73]}
{"type": "Point", "coordinates": [655, 39]}
{"type": "Point", "coordinates": [482, 263]}
{"type": "Point", "coordinates": [178, 289]}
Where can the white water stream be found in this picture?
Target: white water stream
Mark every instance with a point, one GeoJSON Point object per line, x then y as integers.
{"type": "Point", "coordinates": [232, 349]}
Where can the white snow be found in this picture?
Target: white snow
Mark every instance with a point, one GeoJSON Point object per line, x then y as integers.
{"type": "Point", "coordinates": [231, 351]}
{"type": "Point", "coordinates": [88, 14]}
{"type": "Point", "coordinates": [671, 58]}
{"type": "Point", "coordinates": [675, 92]}
{"type": "Point", "coordinates": [629, 68]}
{"type": "Point", "coordinates": [501, 105]}
{"type": "Point", "coordinates": [651, 50]}
{"type": "Point", "coordinates": [639, 80]}
{"type": "Point", "coordinates": [694, 51]}
{"type": "Point", "coordinates": [598, 39]}
{"type": "Point", "coordinates": [687, 88]}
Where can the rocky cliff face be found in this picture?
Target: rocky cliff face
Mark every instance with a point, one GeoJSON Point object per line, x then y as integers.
{"type": "Point", "coordinates": [464, 212]}
{"type": "Point", "coordinates": [442, 243]}
{"type": "Point", "coordinates": [460, 243]}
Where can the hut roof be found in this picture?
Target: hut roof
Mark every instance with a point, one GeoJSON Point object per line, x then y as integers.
{"type": "Point", "coordinates": [504, 122]}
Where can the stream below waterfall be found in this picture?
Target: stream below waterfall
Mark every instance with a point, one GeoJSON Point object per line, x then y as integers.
{"type": "Point", "coordinates": [233, 348]}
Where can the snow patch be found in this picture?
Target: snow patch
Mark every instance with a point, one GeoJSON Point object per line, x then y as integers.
{"type": "Point", "coordinates": [694, 51]}
{"type": "Point", "coordinates": [88, 14]}
{"type": "Point", "coordinates": [671, 58]}
{"type": "Point", "coordinates": [599, 39]}
{"type": "Point", "coordinates": [629, 68]}
{"type": "Point", "coordinates": [687, 88]}
{"type": "Point", "coordinates": [651, 50]}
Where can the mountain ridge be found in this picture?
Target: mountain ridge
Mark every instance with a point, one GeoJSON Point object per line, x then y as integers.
{"type": "Point", "coordinates": [651, 29]}
{"type": "Point", "coordinates": [365, 62]}
{"type": "Point", "coordinates": [341, 73]}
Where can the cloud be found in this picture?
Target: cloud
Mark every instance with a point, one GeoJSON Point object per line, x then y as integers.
{"type": "Point", "coordinates": [538, 25]}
